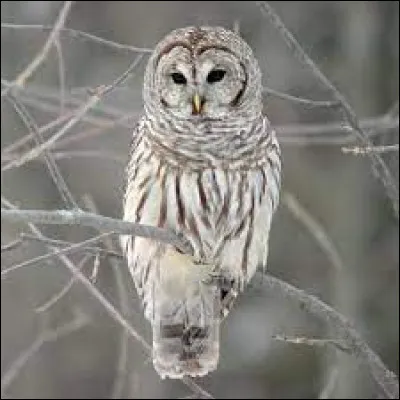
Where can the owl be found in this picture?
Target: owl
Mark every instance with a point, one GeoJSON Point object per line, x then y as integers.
{"type": "Point", "coordinates": [205, 164]}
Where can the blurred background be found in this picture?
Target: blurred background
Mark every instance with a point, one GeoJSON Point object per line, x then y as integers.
{"type": "Point", "coordinates": [72, 348]}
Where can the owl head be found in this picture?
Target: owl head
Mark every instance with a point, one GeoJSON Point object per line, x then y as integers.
{"type": "Point", "coordinates": [200, 73]}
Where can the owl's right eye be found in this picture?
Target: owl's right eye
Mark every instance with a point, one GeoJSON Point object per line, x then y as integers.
{"type": "Point", "coordinates": [178, 78]}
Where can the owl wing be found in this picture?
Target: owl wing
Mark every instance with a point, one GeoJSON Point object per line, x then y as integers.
{"type": "Point", "coordinates": [265, 198]}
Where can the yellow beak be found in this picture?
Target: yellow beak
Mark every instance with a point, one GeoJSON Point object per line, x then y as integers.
{"type": "Point", "coordinates": [196, 103]}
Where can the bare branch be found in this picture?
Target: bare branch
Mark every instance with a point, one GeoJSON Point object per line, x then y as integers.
{"type": "Point", "coordinates": [306, 102]}
{"type": "Point", "coordinates": [339, 345]}
{"type": "Point", "coordinates": [385, 378]}
{"type": "Point", "coordinates": [61, 74]}
{"type": "Point", "coordinates": [330, 384]}
{"type": "Point", "coordinates": [100, 92]}
{"type": "Point", "coordinates": [46, 336]}
{"type": "Point", "coordinates": [358, 347]}
{"type": "Point", "coordinates": [54, 171]}
{"type": "Point", "coordinates": [378, 164]}
{"type": "Point", "coordinates": [370, 149]}
{"type": "Point", "coordinates": [108, 306]}
{"type": "Point", "coordinates": [64, 290]}
{"type": "Point", "coordinates": [42, 55]}
{"type": "Point", "coordinates": [92, 249]}
{"type": "Point", "coordinates": [122, 362]}
{"type": "Point", "coordinates": [101, 223]}
{"type": "Point", "coordinates": [315, 229]}
{"type": "Point", "coordinates": [26, 138]}
{"type": "Point", "coordinates": [44, 257]}
{"type": "Point", "coordinates": [81, 35]}
{"type": "Point", "coordinates": [12, 245]}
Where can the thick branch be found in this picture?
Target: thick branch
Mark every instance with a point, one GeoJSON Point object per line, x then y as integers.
{"type": "Point", "coordinates": [99, 222]}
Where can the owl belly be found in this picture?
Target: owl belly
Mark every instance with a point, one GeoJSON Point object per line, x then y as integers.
{"type": "Point", "coordinates": [224, 214]}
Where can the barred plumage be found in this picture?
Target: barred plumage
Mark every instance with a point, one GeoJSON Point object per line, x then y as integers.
{"type": "Point", "coordinates": [215, 179]}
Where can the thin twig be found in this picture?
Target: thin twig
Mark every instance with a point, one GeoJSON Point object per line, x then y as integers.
{"type": "Point", "coordinates": [370, 149]}
{"type": "Point", "coordinates": [379, 166]}
{"type": "Point", "coordinates": [12, 245]}
{"type": "Point", "coordinates": [300, 100]}
{"type": "Point", "coordinates": [46, 336]}
{"type": "Point", "coordinates": [315, 229]}
{"type": "Point", "coordinates": [47, 99]}
{"type": "Point", "coordinates": [329, 387]}
{"type": "Point", "coordinates": [99, 222]}
{"type": "Point", "coordinates": [56, 297]}
{"type": "Point", "coordinates": [385, 378]}
{"type": "Point", "coordinates": [44, 257]}
{"type": "Point", "coordinates": [86, 154]}
{"type": "Point", "coordinates": [81, 35]}
{"type": "Point", "coordinates": [55, 242]}
{"type": "Point", "coordinates": [13, 147]}
{"type": "Point", "coordinates": [122, 363]}
{"type": "Point", "coordinates": [100, 92]}
{"type": "Point", "coordinates": [61, 74]}
{"type": "Point", "coordinates": [42, 55]}
{"type": "Point", "coordinates": [54, 171]}
{"type": "Point", "coordinates": [339, 345]}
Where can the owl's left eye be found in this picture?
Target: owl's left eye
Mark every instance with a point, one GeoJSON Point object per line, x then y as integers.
{"type": "Point", "coordinates": [178, 78]}
{"type": "Point", "coordinates": [215, 75]}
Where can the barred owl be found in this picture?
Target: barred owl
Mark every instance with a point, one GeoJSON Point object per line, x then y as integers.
{"type": "Point", "coordinates": [204, 163]}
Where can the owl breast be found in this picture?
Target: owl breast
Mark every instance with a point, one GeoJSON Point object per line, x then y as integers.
{"type": "Point", "coordinates": [224, 213]}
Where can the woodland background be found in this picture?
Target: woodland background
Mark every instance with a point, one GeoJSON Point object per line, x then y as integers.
{"type": "Point", "coordinates": [356, 269]}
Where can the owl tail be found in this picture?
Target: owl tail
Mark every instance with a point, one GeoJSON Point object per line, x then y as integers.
{"type": "Point", "coordinates": [186, 332]}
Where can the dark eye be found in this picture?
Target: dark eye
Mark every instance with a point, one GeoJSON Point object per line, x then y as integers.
{"type": "Point", "coordinates": [215, 75]}
{"type": "Point", "coordinates": [178, 78]}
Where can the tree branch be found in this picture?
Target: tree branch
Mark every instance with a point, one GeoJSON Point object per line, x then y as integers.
{"type": "Point", "coordinates": [300, 100]}
{"type": "Point", "coordinates": [378, 164]}
{"type": "Point", "coordinates": [99, 93]}
{"type": "Point", "coordinates": [81, 35]}
{"type": "Point", "coordinates": [52, 166]}
{"type": "Point", "coordinates": [385, 378]}
{"type": "Point", "coordinates": [370, 149]}
{"type": "Point", "coordinates": [42, 55]}
{"type": "Point", "coordinates": [315, 229]}
{"type": "Point", "coordinates": [46, 336]}
{"type": "Point", "coordinates": [99, 222]}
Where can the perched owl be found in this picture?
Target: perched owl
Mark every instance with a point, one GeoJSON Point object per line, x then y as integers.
{"type": "Point", "coordinates": [205, 164]}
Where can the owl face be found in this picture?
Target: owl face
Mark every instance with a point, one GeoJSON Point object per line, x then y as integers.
{"type": "Point", "coordinates": [208, 85]}
{"type": "Point", "coordinates": [201, 73]}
